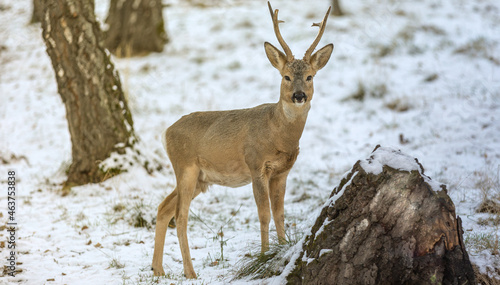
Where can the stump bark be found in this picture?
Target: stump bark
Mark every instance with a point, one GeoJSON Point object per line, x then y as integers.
{"type": "Point", "coordinates": [386, 223]}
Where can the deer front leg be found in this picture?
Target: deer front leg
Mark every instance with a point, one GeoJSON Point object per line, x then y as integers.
{"type": "Point", "coordinates": [261, 194]}
{"type": "Point", "coordinates": [277, 188]}
{"type": "Point", "coordinates": [166, 211]}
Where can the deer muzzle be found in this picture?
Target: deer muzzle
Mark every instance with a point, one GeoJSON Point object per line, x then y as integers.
{"type": "Point", "coordinates": [299, 97]}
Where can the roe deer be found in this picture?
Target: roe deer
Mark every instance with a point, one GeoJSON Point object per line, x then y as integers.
{"type": "Point", "coordinates": [236, 147]}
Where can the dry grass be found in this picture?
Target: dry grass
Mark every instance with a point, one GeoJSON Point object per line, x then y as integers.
{"type": "Point", "coordinates": [478, 242]}
{"type": "Point", "coordinates": [480, 48]}
{"type": "Point", "coordinates": [264, 265]}
{"type": "Point", "coordinates": [484, 279]}
{"type": "Point", "coordinates": [488, 182]}
{"type": "Point", "coordinates": [257, 265]}
{"type": "Point", "coordinates": [365, 91]}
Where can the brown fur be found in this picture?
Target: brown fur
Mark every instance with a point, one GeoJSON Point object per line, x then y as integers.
{"type": "Point", "coordinates": [233, 148]}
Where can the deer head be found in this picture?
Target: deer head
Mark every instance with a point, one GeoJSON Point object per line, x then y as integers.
{"type": "Point", "coordinates": [297, 74]}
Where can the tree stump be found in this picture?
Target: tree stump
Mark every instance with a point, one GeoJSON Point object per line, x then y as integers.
{"type": "Point", "coordinates": [136, 27]}
{"type": "Point", "coordinates": [386, 223]}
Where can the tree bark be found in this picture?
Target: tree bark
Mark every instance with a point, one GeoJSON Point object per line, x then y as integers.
{"type": "Point", "coordinates": [136, 27]}
{"type": "Point", "coordinates": [99, 120]}
{"type": "Point", "coordinates": [385, 228]}
{"type": "Point", "coordinates": [37, 14]}
{"type": "Point", "coordinates": [336, 11]}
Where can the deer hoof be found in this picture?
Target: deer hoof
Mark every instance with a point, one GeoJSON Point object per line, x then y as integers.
{"type": "Point", "coordinates": [190, 275]}
{"type": "Point", "coordinates": [158, 272]}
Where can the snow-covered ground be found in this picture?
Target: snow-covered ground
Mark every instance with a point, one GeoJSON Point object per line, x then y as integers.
{"type": "Point", "coordinates": [430, 72]}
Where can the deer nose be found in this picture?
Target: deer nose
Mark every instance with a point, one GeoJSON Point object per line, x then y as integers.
{"type": "Point", "coordinates": [299, 97]}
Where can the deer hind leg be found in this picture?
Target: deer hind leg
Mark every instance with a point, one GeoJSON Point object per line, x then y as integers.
{"type": "Point", "coordinates": [277, 187]}
{"type": "Point", "coordinates": [166, 211]}
{"type": "Point", "coordinates": [260, 187]}
{"type": "Point", "coordinates": [188, 188]}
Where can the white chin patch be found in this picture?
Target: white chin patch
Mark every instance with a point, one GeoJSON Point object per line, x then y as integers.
{"type": "Point", "coordinates": [296, 110]}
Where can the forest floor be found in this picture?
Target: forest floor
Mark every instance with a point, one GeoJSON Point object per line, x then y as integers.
{"type": "Point", "coordinates": [421, 76]}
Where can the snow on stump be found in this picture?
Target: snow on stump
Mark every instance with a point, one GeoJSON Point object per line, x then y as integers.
{"type": "Point", "coordinates": [386, 223]}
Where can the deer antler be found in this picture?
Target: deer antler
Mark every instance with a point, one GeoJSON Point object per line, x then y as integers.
{"type": "Point", "coordinates": [286, 49]}
{"type": "Point", "coordinates": [321, 25]}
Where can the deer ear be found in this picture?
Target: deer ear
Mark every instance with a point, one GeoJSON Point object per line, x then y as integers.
{"type": "Point", "coordinates": [275, 56]}
{"type": "Point", "coordinates": [321, 57]}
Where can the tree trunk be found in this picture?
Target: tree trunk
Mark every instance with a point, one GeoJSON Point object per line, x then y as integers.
{"type": "Point", "coordinates": [99, 120]}
{"type": "Point", "coordinates": [336, 11]}
{"type": "Point", "coordinates": [37, 12]}
{"type": "Point", "coordinates": [136, 27]}
{"type": "Point", "coordinates": [384, 225]}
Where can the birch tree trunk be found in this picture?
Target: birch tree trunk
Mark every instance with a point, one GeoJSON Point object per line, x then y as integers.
{"type": "Point", "coordinates": [37, 14]}
{"type": "Point", "coordinates": [136, 27]}
{"type": "Point", "coordinates": [99, 120]}
{"type": "Point", "coordinates": [336, 11]}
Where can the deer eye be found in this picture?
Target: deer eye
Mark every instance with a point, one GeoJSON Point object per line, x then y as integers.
{"type": "Point", "coordinates": [287, 78]}
{"type": "Point", "coordinates": [309, 78]}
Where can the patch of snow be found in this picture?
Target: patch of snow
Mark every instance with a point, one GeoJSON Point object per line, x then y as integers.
{"type": "Point", "coordinates": [307, 259]}
{"type": "Point", "coordinates": [293, 254]}
{"type": "Point", "coordinates": [325, 223]}
{"type": "Point", "coordinates": [396, 159]}
{"type": "Point", "coordinates": [325, 251]}
{"type": "Point", "coordinates": [391, 157]}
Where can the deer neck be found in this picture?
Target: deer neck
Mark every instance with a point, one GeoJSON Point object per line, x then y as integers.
{"type": "Point", "coordinates": [294, 113]}
{"type": "Point", "coordinates": [290, 120]}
